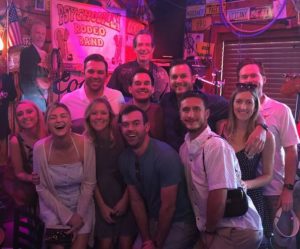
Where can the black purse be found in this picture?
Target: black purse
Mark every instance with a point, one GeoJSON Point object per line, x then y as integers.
{"type": "Point", "coordinates": [58, 236]}
{"type": "Point", "coordinates": [236, 201]}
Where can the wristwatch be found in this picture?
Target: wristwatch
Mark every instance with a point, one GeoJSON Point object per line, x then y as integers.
{"type": "Point", "coordinates": [288, 186]}
{"type": "Point", "coordinates": [264, 126]}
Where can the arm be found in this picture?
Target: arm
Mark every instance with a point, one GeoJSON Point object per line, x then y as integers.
{"type": "Point", "coordinates": [215, 208]}
{"type": "Point", "coordinates": [122, 205]}
{"type": "Point", "coordinates": [286, 197]}
{"type": "Point", "coordinates": [168, 197]}
{"type": "Point", "coordinates": [267, 162]}
{"type": "Point", "coordinates": [256, 140]}
{"type": "Point", "coordinates": [105, 210]}
{"type": "Point", "coordinates": [89, 178]}
{"type": "Point", "coordinates": [139, 212]}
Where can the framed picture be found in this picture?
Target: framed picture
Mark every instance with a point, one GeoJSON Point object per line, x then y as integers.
{"type": "Point", "coordinates": [40, 5]}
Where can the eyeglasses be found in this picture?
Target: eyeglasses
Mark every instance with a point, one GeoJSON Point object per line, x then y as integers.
{"type": "Point", "coordinates": [137, 170]}
{"type": "Point", "coordinates": [248, 86]}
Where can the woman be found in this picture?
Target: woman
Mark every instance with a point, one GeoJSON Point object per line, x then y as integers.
{"type": "Point", "coordinates": [243, 113]}
{"type": "Point", "coordinates": [65, 162]}
{"type": "Point", "coordinates": [113, 220]}
{"type": "Point", "coordinates": [29, 129]}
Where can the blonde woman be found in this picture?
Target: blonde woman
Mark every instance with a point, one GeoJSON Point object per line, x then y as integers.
{"type": "Point", "coordinates": [30, 128]}
{"type": "Point", "coordinates": [65, 163]}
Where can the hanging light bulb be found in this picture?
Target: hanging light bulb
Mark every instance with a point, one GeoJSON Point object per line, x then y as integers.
{"type": "Point", "coordinates": [1, 45]}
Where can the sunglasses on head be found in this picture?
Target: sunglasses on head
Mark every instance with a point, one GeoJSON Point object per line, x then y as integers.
{"type": "Point", "coordinates": [248, 86]}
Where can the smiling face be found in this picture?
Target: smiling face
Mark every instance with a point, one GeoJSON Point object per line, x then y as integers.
{"type": "Point", "coordinates": [27, 116]}
{"type": "Point", "coordinates": [95, 76]}
{"type": "Point", "coordinates": [181, 79]}
{"type": "Point", "coordinates": [193, 115]}
{"type": "Point", "coordinates": [59, 121]}
{"type": "Point", "coordinates": [99, 117]}
{"type": "Point", "coordinates": [143, 48]}
{"type": "Point", "coordinates": [243, 105]}
{"type": "Point", "coordinates": [38, 35]}
{"type": "Point", "coordinates": [134, 129]}
{"type": "Point", "coordinates": [141, 88]}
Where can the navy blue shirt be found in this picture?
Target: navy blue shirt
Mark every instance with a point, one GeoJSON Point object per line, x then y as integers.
{"type": "Point", "coordinates": [160, 166]}
{"type": "Point", "coordinates": [175, 130]}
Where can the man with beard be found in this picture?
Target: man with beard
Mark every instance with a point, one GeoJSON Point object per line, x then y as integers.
{"type": "Point", "coordinates": [156, 186]}
{"type": "Point", "coordinates": [181, 81]}
{"type": "Point", "coordinates": [143, 46]}
{"type": "Point", "coordinates": [203, 154]}
{"type": "Point", "coordinates": [141, 88]}
{"type": "Point", "coordinates": [95, 73]}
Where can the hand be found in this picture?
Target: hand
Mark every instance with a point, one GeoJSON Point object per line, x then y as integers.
{"type": "Point", "coordinates": [148, 244]}
{"type": "Point", "coordinates": [107, 213]}
{"type": "Point", "coordinates": [207, 240]}
{"type": "Point", "coordinates": [286, 200]}
{"type": "Point", "coordinates": [76, 223]}
{"type": "Point", "coordinates": [256, 141]}
{"type": "Point", "coordinates": [121, 207]}
{"type": "Point", "coordinates": [35, 178]}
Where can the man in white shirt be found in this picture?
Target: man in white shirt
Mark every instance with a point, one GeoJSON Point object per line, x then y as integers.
{"type": "Point", "coordinates": [280, 121]}
{"type": "Point", "coordinates": [211, 169]}
{"type": "Point", "coordinates": [95, 72]}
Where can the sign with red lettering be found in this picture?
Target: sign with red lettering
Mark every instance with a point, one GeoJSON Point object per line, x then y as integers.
{"type": "Point", "coordinates": [80, 29]}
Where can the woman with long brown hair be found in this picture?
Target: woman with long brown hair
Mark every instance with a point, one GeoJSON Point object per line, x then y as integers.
{"type": "Point", "coordinates": [113, 219]}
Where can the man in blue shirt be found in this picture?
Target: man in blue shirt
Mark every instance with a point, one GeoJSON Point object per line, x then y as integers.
{"type": "Point", "coordinates": [156, 186]}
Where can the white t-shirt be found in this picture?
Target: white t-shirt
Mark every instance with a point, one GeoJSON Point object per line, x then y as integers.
{"type": "Point", "coordinates": [77, 101]}
{"type": "Point", "coordinates": [281, 123]}
{"type": "Point", "coordinates": [221, 171]}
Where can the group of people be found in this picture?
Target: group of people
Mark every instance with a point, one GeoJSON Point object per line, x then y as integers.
{"type": "Point", "coordinates": [154, 171]}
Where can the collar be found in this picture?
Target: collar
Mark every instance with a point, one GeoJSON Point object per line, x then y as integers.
{"type": "Point", "coordinates": [194, 145]}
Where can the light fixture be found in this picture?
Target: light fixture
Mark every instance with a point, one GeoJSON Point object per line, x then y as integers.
{"type": "Point", "coordinates": [1, 45]}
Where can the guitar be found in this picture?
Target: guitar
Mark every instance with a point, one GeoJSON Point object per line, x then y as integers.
{"type": "Point", "coordinates": [291, 86]}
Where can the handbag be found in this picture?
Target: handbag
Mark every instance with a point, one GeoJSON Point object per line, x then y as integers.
{"type": "Point", "coordinates": [236, 203]}
{"type": "Point", "coordinates": [236, 200]}
{"type": "Point", "coordinates": [58, 236]}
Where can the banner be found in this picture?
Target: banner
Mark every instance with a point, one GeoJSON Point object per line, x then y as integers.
{"type": "Point", "coordinates": [80, 29]}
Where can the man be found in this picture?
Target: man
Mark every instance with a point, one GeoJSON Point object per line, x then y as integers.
{"type": "Point", "coordinates": [95, 73]}
{"type": "Point", "coordinates": [181, 81]}
{"type": "Point", "coordinates": [143, 47]}
{"type": "Point", "coordinates": [141, 88]}
{"type": "Point", "coordinates": [33, 68]}
{"type": "Point", "coordinates": [156, 186]}
{"type": "Point", "coordinates": [203, 154]}
{"type": "Point", "coordinates": [279, 118]}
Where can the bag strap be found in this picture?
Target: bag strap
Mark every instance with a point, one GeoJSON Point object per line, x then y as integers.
{"type": "Point", "coordinates": [25, 160]}
{"type": "Point", "coordinates": [209, 137]}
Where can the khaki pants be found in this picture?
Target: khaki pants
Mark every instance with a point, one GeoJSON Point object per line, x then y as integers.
{"type": "Point", "coordinates": [232, 238]}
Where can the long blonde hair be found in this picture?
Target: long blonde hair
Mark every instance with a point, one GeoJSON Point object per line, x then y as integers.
{"type": "Point", "coordinates": [232, 119]}
{"type": "Point", "coordinates": [89, 130]}
{"type": "Point", "coordinates": [41, 130]}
